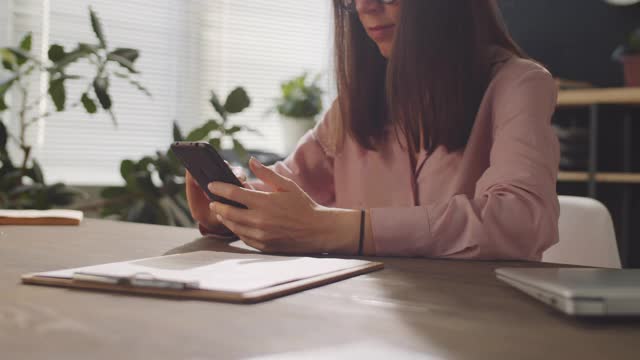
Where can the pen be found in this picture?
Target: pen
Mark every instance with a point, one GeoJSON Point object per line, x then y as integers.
{"type": "Point", "coordinates": [135, 280]}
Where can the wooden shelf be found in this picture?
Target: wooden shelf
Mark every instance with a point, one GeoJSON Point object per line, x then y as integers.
{"type": "Point", "coordinates": [601, 177]}
{"type": "Point", "coordinates": [602, 96]}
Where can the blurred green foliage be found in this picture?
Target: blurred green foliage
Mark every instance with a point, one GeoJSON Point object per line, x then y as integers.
{"type": "Point", "coordinates": [300, 97]}
{"type": "Point", "coordinates": [22, 185]}
{"type": "Point", "coordinates": [154, 190]}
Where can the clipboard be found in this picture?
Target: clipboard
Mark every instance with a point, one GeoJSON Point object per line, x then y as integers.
{"type": "Point", "coordinates": [149, 284]}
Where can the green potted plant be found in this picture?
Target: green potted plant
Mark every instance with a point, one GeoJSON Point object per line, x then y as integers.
{"type": "Point", "coordinates": [629, 55]}
{"type": "Point", "coordinates": [299, 105]}
{"type": "Point", "coordinates": [22, 183]}
{"type": "Point", "coordinates": [154, 190]}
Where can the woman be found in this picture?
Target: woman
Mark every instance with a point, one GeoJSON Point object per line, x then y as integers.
{"type": "Point", "coordinates": [439, 145]}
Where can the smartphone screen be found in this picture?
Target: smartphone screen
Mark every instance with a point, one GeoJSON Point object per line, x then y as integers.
{"type": "Point", "coordinates": [206, 166]}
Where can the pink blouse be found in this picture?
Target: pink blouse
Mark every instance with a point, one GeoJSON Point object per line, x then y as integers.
{"type": "Point", "coordinates": [496, 199]}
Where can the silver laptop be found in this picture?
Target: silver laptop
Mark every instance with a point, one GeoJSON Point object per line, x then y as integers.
{"type": "Point", "coordinates": [577, 291]}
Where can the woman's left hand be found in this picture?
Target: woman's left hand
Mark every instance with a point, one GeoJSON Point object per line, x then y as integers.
{"type": "Point", "coordinates": [287, 220]}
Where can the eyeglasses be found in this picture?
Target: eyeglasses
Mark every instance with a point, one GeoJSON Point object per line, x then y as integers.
{"type": "Point", "coordinates": [350, 5]}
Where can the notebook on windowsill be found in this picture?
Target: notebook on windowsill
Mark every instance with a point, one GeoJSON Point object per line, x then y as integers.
{"type": "Point", "coordinates": [40, 217]}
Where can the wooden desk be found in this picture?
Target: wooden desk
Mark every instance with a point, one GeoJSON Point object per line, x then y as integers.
{"type": "Point", "coordinates": [440, 308]}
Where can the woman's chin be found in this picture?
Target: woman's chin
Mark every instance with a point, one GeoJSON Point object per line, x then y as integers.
{"type": "Point", "coordinates": [385, 50]}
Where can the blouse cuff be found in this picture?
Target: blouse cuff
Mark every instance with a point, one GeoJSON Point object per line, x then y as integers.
{"type": "Point", "coordinates": [400, 231]}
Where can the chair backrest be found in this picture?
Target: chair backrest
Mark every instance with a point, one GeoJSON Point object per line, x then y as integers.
{"type": "Point", "coordinates": [587, 236]}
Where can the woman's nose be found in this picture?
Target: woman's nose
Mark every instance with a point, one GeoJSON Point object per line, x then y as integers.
{"type": "Point", "coordinates": [367, 6]}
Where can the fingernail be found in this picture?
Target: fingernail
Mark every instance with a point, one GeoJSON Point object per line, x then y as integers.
{"type": "Point", "coordinates": [219, 218]}
{"type": "Point", "coordinates": [255, 161]}
{"type": "Point", "coordinates": [210, 187]}
{"type": "Point", "coordinates": [212, 205]}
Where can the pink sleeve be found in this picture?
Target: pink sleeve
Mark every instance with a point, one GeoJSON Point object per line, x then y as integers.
{"type": "Point", "coordinates": [514, 213]}
{"type": "Point", "coordinates": [310, 165]}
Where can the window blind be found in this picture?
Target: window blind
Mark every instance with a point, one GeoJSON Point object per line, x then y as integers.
{"type": "Point", "coordinates": [4, 22]}
{"type": "Point", "coordinates": [188, 47]}
{"type": "Point", "coordinates": [22, 17]}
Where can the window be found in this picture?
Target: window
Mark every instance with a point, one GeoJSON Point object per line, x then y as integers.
{"type": "Point", "coordinates": [188, 47]}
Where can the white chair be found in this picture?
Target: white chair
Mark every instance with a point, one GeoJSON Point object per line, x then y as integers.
{"type": "Point", "coordinates": [587, 236]}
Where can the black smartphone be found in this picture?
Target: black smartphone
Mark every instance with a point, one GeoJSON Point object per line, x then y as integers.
{"type": "Point", "coordinates": [206, 166]}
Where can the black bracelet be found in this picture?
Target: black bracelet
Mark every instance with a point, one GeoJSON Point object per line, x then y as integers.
{"type": "Point", "coordinates": [361, 243]}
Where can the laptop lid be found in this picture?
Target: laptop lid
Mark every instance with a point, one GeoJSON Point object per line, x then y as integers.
{"type": "Point", "coordinates": [614, 291]}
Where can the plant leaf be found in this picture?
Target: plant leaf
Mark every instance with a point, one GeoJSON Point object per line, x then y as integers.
{"type": "Point", "coordinates": [58, 93]}
{"type": "Point", "coordinates": [140, 87]}
{"type": "Point", "coordinates": [56, 52]}
{"type": "Point", "coordinates": [4, 87]}
{"type": "Point", "coordinates": [299, 98]}
{"type": "Point", "coordinates": [88, 104]}
{"type": "Point", "coordinates": [215, 142]}
{"type": "Point", "coordinates": [101, 88]}
{"type": "Point", "coordinates": [177, 133]}
{"type": "Point", "coordinates": [3, 140]}
{"type": "Point", "coordinates": [232, 130]}
{"type": "Point", "coordinates": [113, 117]}
{"type": "Point", "coordinates": [134, 83]}
{"type": "Point", "coordinates": [36, 173]}
{"type": "Point", "coordinates": [240, 150]}
{"type": "Point", "coordinates": [97, 28]}
{"type": "Point", "coordinates": [81, 51]}
{"type": "Point", "coordinates": [12, 178]}
{"type": "Point", "coordinates": [61, 195]}
{"type": "Point", "coordinates": [127, 167]}
{"type": "Point", "coordinates": [124, 62]}
{"type": "Point", "coordinates": [129, 54]}
{"type": "Point", "coordinates": [145, 162]}
{"type": "Point", "coordinates": [8, 59]}
{"type": "Point", "coordinates": [88, 48]}
{"type": "Point", "coordinates": [203, 131]}
{"type": "Point", "coordinates": [217, 105]}
{"type": "Point", "coordinates": [25, 43]}
{"type": "Point", "coordinates": [22, 56]}
{"type": "Point", "coordinates": [7, 165]}
{"type": "Point", "coordinates": [237, 101]}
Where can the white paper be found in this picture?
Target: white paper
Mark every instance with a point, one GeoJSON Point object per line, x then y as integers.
{"type": "Point", "coordinates": [34, 214]}
{"type": "Point", "coordinates": [217, 271]}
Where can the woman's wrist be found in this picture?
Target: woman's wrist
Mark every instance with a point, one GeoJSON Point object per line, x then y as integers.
{"type": "Point", "coordinates": [342, 228]}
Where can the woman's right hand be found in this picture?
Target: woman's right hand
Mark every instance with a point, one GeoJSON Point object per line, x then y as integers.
{"type": "Point", "coordinates": [199, 204]}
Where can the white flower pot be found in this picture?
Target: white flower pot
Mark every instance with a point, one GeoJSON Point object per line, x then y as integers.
{"type": "Point", "coordinates": [293, 129]}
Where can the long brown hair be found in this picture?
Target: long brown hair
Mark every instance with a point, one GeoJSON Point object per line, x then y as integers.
{"type": "Point", "coordinates": [434, 81]}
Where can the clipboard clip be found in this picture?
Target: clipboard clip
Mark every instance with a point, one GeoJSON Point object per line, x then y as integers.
{"type": "Point", "coordinates": [141, 279]}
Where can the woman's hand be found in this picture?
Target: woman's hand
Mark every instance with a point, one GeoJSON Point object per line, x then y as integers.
{"type": "Point", "coordinates": [287, 220]}
{"type": "Point", "coordinates": [199, 203]}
